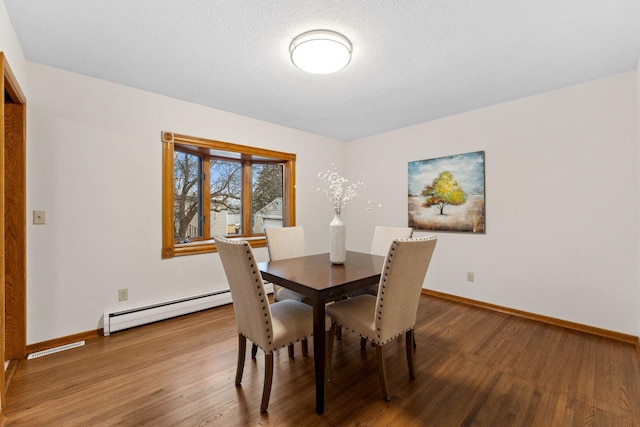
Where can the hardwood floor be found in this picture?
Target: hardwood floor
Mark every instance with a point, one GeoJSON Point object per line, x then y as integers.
{"type": "Point", "coordinates": [473, 367]}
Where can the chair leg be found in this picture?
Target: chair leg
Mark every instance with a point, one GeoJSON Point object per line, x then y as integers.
{"type": "Point", "coordinates": [254, 351]}
{"type": "Point", "coordinates": [363, 342]}
{"type": "Point", "coordinates": [268, 379]}
{"type": "Point", "coordinates": [410, 342]}
{"type": "Point", "coordinates": [329, 349]}
{"type": "Point", "coordinates": [242, 348]}
{"type": "Point", "coordinates": [305, 347]}
{"type": "Point", "coordinates": [382, 372]}
{"type": "Point", "coordinates": [339, 332]}
{"type": "Point", "coordinates": [290, 348]}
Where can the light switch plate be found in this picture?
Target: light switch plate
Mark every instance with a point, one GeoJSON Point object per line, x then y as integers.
{"type": "Point", "coordinates": [39, 217]}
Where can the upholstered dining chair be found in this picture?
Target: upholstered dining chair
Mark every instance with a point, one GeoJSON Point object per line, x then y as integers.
{"type": "Point", "coordinates": [393, 311]}
{"type": "Point", "coordinates": [283, 243]}
{"type": "Point", "coordinates": [269, 326]}
{"type": "Point", "coordinates": [382, 238]}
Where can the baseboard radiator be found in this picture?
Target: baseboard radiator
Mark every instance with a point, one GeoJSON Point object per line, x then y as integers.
{"type": "Point", "coordinates": [119, 320]}
{"type": "Point", "coordinates": [125, 319]}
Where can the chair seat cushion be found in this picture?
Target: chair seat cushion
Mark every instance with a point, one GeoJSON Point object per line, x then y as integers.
{"type": "Point", "coordinates": [356, 314]}
{"type": "Point", "coordinates": [371, 290]}
{"type": "Point", "coordinates": [282, 294]}
{"type": "Point", "coordinates": [292, 321]}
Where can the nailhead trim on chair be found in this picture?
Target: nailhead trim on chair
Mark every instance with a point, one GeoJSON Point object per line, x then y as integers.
{"type": "Point", "coordinates": [282, 346]}
{"type": "Point", "coordinates": [383, 285]}
{"type": "Point", "coordinates": [259, 288]}
{"type": "Point", "coordinates": [378, 341]}
{"type": "Point", "coordinates": [278, 348]}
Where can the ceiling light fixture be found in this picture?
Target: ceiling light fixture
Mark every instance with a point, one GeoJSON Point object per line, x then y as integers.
{"type": "Point", "coordinates": [320, 51]}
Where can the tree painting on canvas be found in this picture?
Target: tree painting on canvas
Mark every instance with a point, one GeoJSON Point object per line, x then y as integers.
{"type": "Point", "coordinates": [447, 193]}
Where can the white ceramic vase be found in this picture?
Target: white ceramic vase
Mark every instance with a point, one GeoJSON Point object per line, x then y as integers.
{"type": "Point", "coordinates": [337, 245]}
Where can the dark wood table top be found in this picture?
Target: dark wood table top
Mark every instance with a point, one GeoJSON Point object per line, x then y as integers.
{"type": "Point", "coordinates": [315, 274]}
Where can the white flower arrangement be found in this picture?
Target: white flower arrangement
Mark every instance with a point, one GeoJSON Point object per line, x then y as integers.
{"type": "Point", "coordinates": [338, 189]}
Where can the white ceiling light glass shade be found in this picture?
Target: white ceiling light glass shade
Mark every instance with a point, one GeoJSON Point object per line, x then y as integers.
{"type": "Point", "coordinates": [320, 51]}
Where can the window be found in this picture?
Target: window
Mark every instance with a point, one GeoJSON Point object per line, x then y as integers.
{"type": "Point", "coordinates": [212, 188]}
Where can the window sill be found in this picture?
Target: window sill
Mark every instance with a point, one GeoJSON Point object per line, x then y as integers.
{"type": "Point", "coordinates": [207, 246]}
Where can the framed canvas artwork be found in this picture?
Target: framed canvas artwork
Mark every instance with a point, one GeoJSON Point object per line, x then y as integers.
{"type": "Point", "coordinates": [447, 193]}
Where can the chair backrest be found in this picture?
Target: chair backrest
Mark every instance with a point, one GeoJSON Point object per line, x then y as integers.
{"type": "Point", "coordinates": [250, 302]}
{"type": "Point", "coordinates": [285, 242]}
{"type": "Point", "coordinates": [383, 236]}
{"type": "Point", "coordinates": [403, 273]}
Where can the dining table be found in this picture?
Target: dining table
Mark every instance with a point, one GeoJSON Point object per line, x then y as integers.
{"type": "Point", "coordinates": [315, 277]}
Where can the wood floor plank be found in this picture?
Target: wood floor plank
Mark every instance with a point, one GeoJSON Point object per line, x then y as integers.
{"type": "Point", "coordinates": [473, 367]}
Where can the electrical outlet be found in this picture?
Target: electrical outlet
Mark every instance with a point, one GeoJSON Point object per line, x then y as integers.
{"type": "Point", "coordinates": [470, 276]}
{"type": "Point", "coordinates": [123, 294]}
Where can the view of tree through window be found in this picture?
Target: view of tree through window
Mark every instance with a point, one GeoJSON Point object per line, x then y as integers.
{"type": "Point", "coordinates": [266, 197]}
{"type": "Point", "coordinates": [224, 189]}
{"type": "Point", "coordinates": [187, 191]}
{"type": "Point", "coordinates": [225, 178]}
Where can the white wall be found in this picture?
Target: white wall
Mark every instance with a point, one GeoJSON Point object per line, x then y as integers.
{"type": "Point", "coordinates": [9, 43]}
{"type": "Point", "coordinates": [561, 201]}
{"type": "Point", "coordinates": [94, 164]}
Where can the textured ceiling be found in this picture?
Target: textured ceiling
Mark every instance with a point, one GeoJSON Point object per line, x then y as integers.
{"type": "Point", "coordinates": [413, 60]}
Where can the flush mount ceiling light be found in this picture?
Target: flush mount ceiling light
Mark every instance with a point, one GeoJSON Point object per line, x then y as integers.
{"type": "Point", "coordinates": [320, 51]}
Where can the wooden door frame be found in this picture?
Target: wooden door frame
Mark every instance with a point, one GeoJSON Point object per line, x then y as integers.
{"type": "Point", "coordinates": [13, 222]}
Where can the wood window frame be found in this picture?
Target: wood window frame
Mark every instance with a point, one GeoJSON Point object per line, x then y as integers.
{"type": "Point", "coordinates": [171, 248]}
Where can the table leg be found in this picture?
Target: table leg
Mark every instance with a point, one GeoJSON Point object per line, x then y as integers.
{"type": "Point", "coordinates": [319, 350]}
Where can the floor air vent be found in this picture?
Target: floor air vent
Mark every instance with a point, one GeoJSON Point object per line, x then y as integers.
{"type": "Point", "coordinates": [55, 350]}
